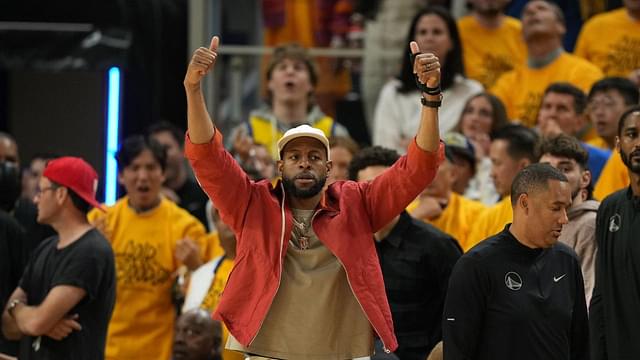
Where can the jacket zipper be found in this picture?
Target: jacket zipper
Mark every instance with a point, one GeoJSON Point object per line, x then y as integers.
{"type": "Point", "coordinates": [384, 347]}
{"type": "Point", "coordinates": [282, 229]}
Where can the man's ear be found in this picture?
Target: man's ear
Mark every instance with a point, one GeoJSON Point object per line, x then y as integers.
{"type": "Point", "coordinates": [120, 179]}
{"type": "Point", "coordinates": [585, 179]}
{"type": "Point", "coordinates": [279, 166]}
{"type": "Point", "coordinates": [523, 202]}
{"type": "Point", "coordinates": [62, 195]}
{"type": "Point", "coordinates": [329, 166]}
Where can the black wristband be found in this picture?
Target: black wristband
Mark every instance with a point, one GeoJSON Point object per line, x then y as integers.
{"type": "Point", "coordinates": [431, 103]}
{"type": "Point", "coordinates": [432, 90]}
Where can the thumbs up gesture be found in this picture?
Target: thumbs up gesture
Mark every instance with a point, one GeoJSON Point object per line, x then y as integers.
{"type": "Point", "coordinates": [202, 62]}
{"type": "Point", "coordinates": [426, 68]}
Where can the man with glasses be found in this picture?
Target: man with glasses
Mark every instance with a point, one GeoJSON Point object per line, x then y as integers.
{"type": "Point", "coordinates": [62, 306]}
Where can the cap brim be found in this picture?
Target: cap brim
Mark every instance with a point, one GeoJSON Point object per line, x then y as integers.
{"type": "Point", "coordinates": [286, 139]}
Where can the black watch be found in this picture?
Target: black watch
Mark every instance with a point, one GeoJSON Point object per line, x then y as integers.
{"type": "Point", "coordinates": [431, 103]}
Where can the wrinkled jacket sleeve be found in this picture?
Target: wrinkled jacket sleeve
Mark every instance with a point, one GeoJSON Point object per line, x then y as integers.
{"type": "Point", "coordinates": [388, 194]}
{"type": "Point", "coordinates": [221, 178]}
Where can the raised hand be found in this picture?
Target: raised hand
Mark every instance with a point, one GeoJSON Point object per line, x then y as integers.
{"type": "Point", "coordinates": [188, 253]}
{"type": "Point", "coordinates": [426, 66]}
{"type": "Point", "coordinates": [202, 62]}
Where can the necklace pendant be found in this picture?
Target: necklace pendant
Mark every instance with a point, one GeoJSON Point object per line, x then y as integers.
{"type": "Point", "coordinates": [304, 242]}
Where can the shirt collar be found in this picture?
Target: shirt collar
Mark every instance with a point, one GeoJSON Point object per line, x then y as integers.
{"type": "Point", "coordinates": [396, 235]}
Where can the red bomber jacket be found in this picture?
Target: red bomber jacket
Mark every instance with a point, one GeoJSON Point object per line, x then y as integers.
{"type": "Point", "coordinates": [349, 213]}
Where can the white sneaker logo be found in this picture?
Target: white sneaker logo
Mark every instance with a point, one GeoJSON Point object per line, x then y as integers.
{"type": "Point", "coordinates": [556, 279]}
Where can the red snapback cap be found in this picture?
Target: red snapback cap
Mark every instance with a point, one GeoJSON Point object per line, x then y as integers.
{"type": "Point", "coordinates": [75, 174]}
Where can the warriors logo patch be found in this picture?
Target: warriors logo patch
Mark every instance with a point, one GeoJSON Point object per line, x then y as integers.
{"type": "Point", "coordinates": [513, 281]}
{"type": "Point", "coordinates": [614, 223]}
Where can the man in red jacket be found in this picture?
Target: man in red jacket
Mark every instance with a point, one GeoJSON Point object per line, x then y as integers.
{"type": "Point", "coordinates": [307, 281]}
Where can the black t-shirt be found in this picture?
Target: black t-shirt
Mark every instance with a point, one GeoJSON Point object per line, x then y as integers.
{"type": "Point", "coordinates": [507, 301]}
{"type": "Point", "coordinates": [194, 200]}
{"type": "Point", "coordinates": [87, 263]}
{"type": "Point", "coordinates": [13, 257]}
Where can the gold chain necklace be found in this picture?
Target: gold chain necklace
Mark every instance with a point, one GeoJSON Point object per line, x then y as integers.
{"type": "Point", "coordinates": [301, 231]}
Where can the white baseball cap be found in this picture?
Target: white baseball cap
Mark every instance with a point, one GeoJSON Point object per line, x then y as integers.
{"type": "Point", "coordinates": [303, 131]}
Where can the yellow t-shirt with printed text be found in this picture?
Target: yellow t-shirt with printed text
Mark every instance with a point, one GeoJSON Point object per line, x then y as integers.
{"type": "Point", "coordinates": [614, 177]}
{"type": "Point", "coordinates": [144, 244]}
{"type": "Point", "coordinates": [521, 89]}
{"type": "Point", "coordinates": [611, 41]}
{"type": "Point", "coordinates": [489, 53]}
{"type": "Point", "coordinates": [458, 217]}
{"type": "Point", "coordinates": [490, 222]}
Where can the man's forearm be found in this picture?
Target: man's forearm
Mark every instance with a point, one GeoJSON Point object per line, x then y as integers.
{"type": "Point", "coordinates": [201, 128]}
{"type": "Point", "coordinates": [428, 137]}
{"type": "Point", "coordinates": [28, 320]}
{"type": "Point", "coordinates": [10, 329]}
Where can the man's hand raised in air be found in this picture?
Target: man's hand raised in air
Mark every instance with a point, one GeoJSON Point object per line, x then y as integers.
{"type": "Point", "coordinates": [201, 63]}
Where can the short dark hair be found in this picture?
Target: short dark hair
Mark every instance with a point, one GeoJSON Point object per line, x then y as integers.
{"type": "Point", "coordinates": [579, 98]}
{"type": "Point", "coordinates": [569, 147]}
{"type": "Point", "coordinates": [534, 177]}
{"type": "Point", "coordinates": [521, 141]}
{"type": "Point", "coordinates": [132, 147]}
{"type": "Point", "coordinates": [625, 87]}
{"type": "Point", "coordinates": [293, 51]}
{"type": "Point", "coordinates": [624, 117]}
{"type": "Point", "coordinates": [371, 156]}
{"type": "Point", "coordinates": [176, 132]}
{"type": "Point", "coordinates": [565, 146]}
{"type": "Point", "coordinates": [79, 203]}
{"type": "Point", "coordinates": [453, 64]}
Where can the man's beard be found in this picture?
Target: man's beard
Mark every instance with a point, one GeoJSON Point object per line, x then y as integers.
{"type": "Point", "coordinates": [634, 167]}
{"type": "Point", "coordinates": [291, 189]}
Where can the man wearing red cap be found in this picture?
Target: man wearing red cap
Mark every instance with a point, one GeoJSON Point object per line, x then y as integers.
{"type": "Point", "coordinates": [307, 282]}
{"type": "Point", "coordinates": [62, 306]}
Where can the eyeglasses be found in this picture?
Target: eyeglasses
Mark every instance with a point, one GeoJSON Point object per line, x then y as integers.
{"type": "Point", "coordinates": [39, 191]}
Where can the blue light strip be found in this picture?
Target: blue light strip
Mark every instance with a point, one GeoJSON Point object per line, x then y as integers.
{"type": "Point", "coordinates": [113, 122]}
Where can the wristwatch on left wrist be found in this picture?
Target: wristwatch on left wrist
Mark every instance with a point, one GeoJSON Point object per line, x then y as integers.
{"type": "Point", "coordinates": [432, 103]}
{"type": "Point", "coordinates": [12, 305]}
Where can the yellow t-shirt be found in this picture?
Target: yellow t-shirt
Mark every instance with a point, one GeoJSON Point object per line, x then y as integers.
{"type": "Point", "coordinates": [614, 176]}
{"type": "Point", "coordinates": [144, 244]}
{"type": "Point", "coordinates": [457, 217]}
{"type": "Point", "coordinates": [599, 143]}
{"type": "Point", "coordinates": [488, 53]}
{"type": "Point", "coordinates": [490, 222]}
{"type": "Point", "coordinates": [521, 89]}
{"type": "Point", "coordinates": [611, 41]}
{"type": "Point", "coordinates": [589, 134]}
